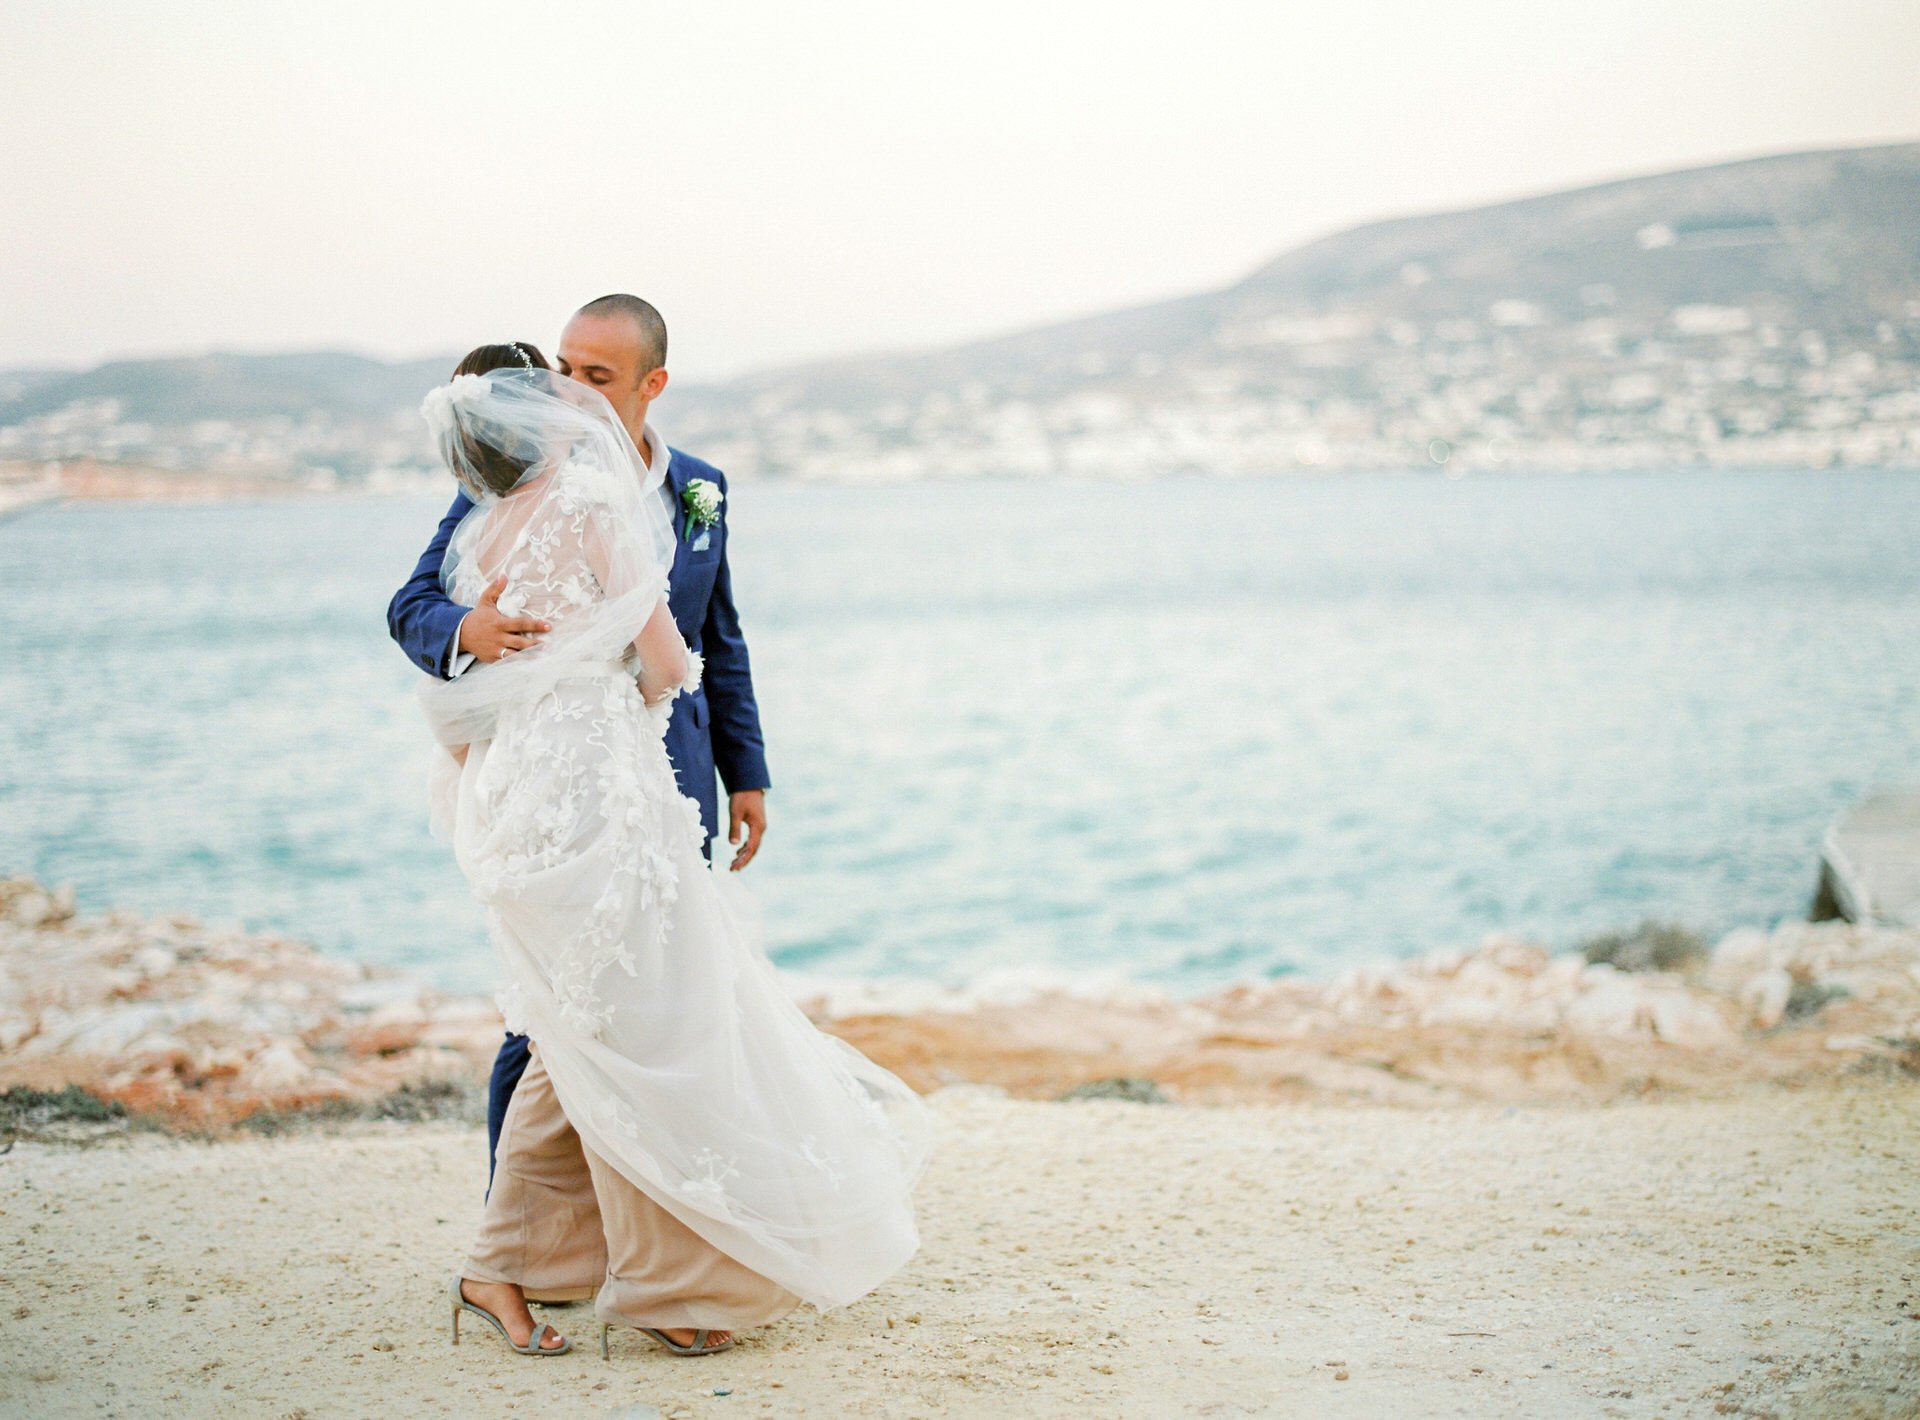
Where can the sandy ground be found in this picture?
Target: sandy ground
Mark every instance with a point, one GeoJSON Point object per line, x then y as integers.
{"type": "Point", "coordinates": [1753, 1255]}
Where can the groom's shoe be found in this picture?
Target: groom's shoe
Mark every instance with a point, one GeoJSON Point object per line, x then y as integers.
{"type": "Point", "coordinates": [559, 1296]}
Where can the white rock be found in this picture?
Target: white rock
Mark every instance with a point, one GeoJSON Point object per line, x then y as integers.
{"type": "Point", "coordinates": [286, 992]}
{"type": "Point", "coordinates": [1852, 1042]}
{"type": "Point", "coordinates": [1691, 1021]}
{"type": "Point", "coordinates": [1764, 997]}
{"type": "Point", "coordinates": [409, 1012]}
{"type": "Point", "coordinates": [219, 1060]}
{"type": "Point", "coordinates": [1562, 978]}
{"type": "Point", "coordinates": [1610, 1008]}
{"type": "Point", "coordinates": [103, 1030]}
{"type": "Point", "coordinates": [31, 909]}
{"type": "Point", "coordinates": [1485, 976]}
{"type": "Point", "coordinates": [1743, 951]}
{"type": "Point", "coordinates": [278, 1067]}
{"type": "Point", "coordinates": [1465, 1010]}
{"type": "Point", "coordinates": [1515, 955]}
{"type": "Point", "coordinates": [155, 1045]}
{"type": "Point", "coordinates": [154, 961]}
{"type": "Point", "coordinates": [1535, 1017]}
{"type": "Point", "coordinates": [451, 1009]}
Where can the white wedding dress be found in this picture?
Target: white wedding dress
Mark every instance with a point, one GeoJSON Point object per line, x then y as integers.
{"type": "Point", "coordinates": [673, 1046]}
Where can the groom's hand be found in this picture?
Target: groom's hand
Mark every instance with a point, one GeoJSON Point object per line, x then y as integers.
{"type": "Point", "coordinates": [488, 634]}
{"type": "Point", "coordinates": [747, 811]}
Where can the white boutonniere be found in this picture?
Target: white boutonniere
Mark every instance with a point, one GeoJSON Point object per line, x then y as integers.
{"type": "Point", "coordinates": [701, 498]}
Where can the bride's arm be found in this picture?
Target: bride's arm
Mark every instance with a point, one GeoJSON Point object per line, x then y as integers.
{"type": "Point", "coordinates": [664, 657]}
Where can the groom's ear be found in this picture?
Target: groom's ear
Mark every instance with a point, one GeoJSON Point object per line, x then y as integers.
{"type": "Point", "coordinates": [653, 382]}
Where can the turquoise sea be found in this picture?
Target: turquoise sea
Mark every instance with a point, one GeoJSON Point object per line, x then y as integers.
{"type": "Point", "coordinates": [1188, 732]}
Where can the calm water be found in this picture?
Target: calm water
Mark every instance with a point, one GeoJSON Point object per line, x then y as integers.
{"type": "Point", "coordinates": [1187, 731]}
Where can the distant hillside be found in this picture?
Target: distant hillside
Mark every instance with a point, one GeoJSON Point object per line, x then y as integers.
{"type": "Point", "coordinates": [1758, 312]}
{"type": "Point", "coordinates": [318, 417]}
{"type": "Point", "coordinates": [15, 383]}
{"type": "Point", "coordinates": [1830, 236]}
{"type": "Point", "coordinates": [1384, 319]}
{"type": "Point", "coordinates": [231, 387]}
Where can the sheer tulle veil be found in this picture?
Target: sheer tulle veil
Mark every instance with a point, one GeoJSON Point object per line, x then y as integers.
{"type": "Point", "coordinates": [543, 422]}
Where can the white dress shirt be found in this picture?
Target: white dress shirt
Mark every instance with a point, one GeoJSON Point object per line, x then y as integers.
{"type": "Point", "coordinates": [654, 450]}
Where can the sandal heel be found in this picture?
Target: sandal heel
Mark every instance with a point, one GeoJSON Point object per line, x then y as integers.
{"type": "Point", "coordinates": [533, 1346]}
{"type": "Point", "coordinates": [698, 1348]}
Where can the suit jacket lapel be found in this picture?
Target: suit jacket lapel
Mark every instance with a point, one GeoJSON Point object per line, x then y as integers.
{"type": "Point", "coordinates": [677, 480]}
{"type": "Point", "coordinates": [677, 476]}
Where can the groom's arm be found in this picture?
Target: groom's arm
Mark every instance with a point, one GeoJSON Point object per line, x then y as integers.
{"type": "Point", "coordinates": [739, 751]}
{"type": "Point", "coordinates": [422, 619]}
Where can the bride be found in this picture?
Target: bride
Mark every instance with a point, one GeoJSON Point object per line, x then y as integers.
{"type": "Point", "coordinates": [732, 1160]}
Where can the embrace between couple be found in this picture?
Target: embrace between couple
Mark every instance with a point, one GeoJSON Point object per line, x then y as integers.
{"type": "Point", "coordinates": [668, 1131]}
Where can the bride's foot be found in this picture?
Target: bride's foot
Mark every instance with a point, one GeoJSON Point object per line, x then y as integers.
{"type": "Point", "coordinates": [509, 1303]}
{"type": "Point", "coordinates": [684, 1335]}
{"type": "Point", "coordinates": [681, 1340]}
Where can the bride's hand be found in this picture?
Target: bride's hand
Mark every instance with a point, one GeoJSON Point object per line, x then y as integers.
{"type": "Point", "coordinates": [459, 753]}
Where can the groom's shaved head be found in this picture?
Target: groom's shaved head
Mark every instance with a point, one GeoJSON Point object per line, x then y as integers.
{"type": "Point", "coordinates": [617, 345]}
{"type": "Point", "coordinates": [647, 323]}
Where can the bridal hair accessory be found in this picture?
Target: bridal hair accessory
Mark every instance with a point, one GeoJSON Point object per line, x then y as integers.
{"type": "Point", "coordinates": [525, 359]}
{"type": "Point", "coordinates": [462, 391]}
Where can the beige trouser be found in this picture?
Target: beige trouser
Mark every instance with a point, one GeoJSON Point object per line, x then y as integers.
{"type": "Point", "coordinates": [560, 1218]}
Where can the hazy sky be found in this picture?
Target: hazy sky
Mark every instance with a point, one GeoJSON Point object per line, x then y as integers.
{"type": "Point", "coordinates": [787, 180]}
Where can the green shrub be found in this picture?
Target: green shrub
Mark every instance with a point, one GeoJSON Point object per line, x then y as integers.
{"type": "Point", "coordinates": [1652, 946]}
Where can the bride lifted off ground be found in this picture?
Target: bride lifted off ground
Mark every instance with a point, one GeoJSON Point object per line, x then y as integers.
{"type": "Point", "coordinates": [684, 1136]}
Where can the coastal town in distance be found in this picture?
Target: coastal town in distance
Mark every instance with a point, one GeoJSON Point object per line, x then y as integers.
{"type": "Point", "coordinates": [1761, 314]}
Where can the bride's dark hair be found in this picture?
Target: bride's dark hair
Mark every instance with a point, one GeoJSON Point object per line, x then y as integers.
{"type": "Point", "coordinates": [499, 471]}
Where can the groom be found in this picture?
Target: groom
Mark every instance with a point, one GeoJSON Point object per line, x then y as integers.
{"type": "Point", "coordinates": [618, 346]}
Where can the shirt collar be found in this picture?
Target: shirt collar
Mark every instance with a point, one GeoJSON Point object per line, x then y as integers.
{"type": "Point", "coordinates": [658, 456]}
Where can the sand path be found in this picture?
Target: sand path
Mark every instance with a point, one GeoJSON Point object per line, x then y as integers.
{"type": "Point", "coordinates": [1755, 1255]}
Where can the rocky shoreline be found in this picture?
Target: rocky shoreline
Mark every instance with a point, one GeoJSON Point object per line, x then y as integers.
{"type": "Point", "coordinates": [200, 1028]}
{"type": "Point", "coordinates": [204, 1027]}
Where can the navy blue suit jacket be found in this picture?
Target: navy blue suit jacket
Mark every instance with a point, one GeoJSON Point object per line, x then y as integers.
{"type": "Point", "coordinates": [718, 726]}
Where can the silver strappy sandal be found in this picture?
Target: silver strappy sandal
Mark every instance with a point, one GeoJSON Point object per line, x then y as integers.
{"type": "Point", "coordinates": [699, 1347]}
{"type": "Point", "coordinates": [533, 1346]}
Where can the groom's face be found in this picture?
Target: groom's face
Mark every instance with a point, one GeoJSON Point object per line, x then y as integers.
{"type": "Point", "coordinates": [606, 353]}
